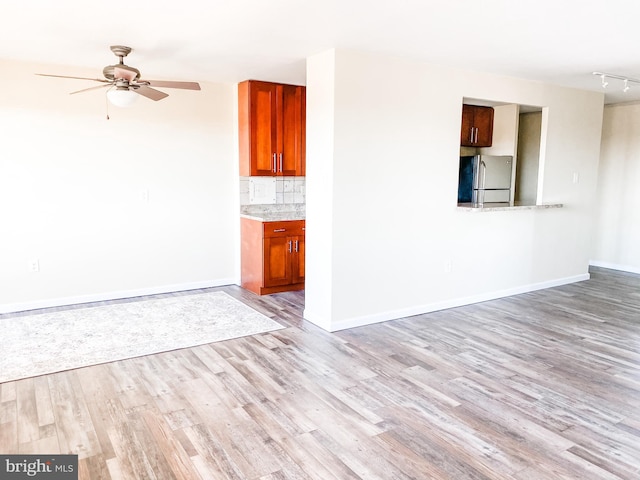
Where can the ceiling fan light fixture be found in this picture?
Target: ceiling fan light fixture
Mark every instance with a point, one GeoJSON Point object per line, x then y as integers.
{"type": "Point", "coordinates": [122, 96]}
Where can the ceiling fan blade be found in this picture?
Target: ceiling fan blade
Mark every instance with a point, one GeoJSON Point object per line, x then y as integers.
{"type": "Point", "coordinates": [172, 84]}
{"type": "Point", "coordinates": [76, 78]}
{"type": "Point", "coordinates": [90, 88]}
{"type": "Point", "coordinates": [150, 93]}
{"type": "Point", "coordinates": [124, 73]}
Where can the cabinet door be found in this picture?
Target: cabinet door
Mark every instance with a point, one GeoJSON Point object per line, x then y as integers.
{"type": "Point", "coordinates": [291, 152]}
{"type": "Point", "coordinates": [277, 261]}
{"type": "Point", "coordinates": [257, 135]}
{"type": "Point", "coordinates": [483, 122]}
{"type": "Point", "coordinates": [297, 265]}
{"type": "Point", "coordinates": [264, 138]}
{"type": "Point", "coordinates": [467, 133]}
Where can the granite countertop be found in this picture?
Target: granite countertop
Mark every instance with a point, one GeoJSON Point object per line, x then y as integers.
{"type": "Point", "coordinates": [502, 207]}
{"type": "Point", "coordinates": [274, 213]}
{"type": "Point", "coordinates": [274, 216]}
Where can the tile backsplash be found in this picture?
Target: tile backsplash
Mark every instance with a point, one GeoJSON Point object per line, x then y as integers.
{"type": "Point", "coordinates": [289, 190]}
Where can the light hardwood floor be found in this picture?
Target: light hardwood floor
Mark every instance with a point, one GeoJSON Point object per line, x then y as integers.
{"type": "Point", "coordinates": [544, 385]}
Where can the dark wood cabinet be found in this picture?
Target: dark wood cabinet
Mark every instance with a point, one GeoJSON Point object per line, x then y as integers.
{"type": "Point", "coordinates": [271, 129]}
{"type": "Point", "coordinates": [273, 255]}
{"type": "Point", "coordinates": [477, 126]}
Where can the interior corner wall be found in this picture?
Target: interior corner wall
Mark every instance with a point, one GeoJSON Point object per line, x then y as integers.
{"type": "Point", "coordinates": [617, 233]}
{"type": "Point", "coordinates": [399, 245]}
{"type": "Point", "coordinates": [92, 209]}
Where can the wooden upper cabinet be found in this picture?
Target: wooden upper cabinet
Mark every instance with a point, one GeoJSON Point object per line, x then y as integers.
{"type": "Point", "coordinates": [477, 126]}
{"type": "Point", "coordinates": [271, 128]}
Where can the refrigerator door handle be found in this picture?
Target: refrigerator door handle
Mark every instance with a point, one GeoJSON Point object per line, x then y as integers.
{"type": "Point", "coordinates": [481, 182]}
{"type": "Point", "coordinates": [483, 174]}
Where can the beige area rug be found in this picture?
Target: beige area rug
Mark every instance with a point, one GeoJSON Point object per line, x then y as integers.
{"type": "Point", "coordinates": [38, 344]}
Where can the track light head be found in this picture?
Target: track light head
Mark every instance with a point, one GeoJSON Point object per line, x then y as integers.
{"type": "Point", "coordinates": [626, 80]}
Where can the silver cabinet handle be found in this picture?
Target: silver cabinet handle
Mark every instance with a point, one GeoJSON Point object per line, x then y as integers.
{"type": "Point", "coordinates": [296, 246]}
{"type": "Point", "coordinates": [280, 162]}
{"type": "Point", "coordinates": [279, 230]}
{"type": "Point", "coordinates": [471, 135]}
{"type": "Point", "coordinates": [274, 163]}
{"type": "Point", "coordinates": [290, 242]}
{"type": "Point", "coordinates": [476, 139]}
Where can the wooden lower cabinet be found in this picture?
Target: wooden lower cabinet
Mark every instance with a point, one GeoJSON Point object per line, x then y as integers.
{"type": "Point", "coordinates": [272, 257]}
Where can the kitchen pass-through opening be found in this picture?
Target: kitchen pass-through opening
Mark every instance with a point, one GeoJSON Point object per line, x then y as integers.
{"type": "Point", "coordinates": [509, 171]}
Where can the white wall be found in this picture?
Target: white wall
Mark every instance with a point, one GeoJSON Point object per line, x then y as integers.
{"type": "Point", "coordinates": [320, 202]}
{"type": "Point", "coordinates": [73, 187]}
{"type": "Point", "coordinates": [617, 242]}
{"type": "Point", "coordinates": [505, 131]}
{"type": "Point", "coordinates": [529, 128]}
{"type": "Point", "coordinates": [391, 184]}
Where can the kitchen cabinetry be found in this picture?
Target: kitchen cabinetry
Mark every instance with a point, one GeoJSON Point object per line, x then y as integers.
{"type": "Point", "coordinates": [271, 129]}
{"type": "Point", "coordinates": [477, 126]}
{"type": "Point", "coordinates": [272, 257]}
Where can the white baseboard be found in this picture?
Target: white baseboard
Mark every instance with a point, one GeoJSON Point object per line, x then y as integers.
{"type": "Point", "coordinates": [116, 295]}
{"type": "Point", "coordinates": [614, 266]}
{"type": "Point", "coordinates": [317, 320]}
{"type": "Point", "coordinates": [436, 306]}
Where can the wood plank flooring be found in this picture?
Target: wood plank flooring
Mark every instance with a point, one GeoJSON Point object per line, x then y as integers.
{"type": "Point", "coordinates": [544, 385]}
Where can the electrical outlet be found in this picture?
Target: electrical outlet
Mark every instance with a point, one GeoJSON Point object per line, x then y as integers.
{"type": "Point", "coordinates": [144, 195]}
{"type": "Point", "coordinates": [576, 177]}
{"type": "Point", "coordinates": [34, 265]}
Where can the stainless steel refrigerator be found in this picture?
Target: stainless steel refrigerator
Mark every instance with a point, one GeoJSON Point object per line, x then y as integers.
{"type": "Point", "coordinates": [485, 179]}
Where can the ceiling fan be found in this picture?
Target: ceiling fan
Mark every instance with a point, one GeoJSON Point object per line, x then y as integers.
{"type": "Point", "coordinates": [125, 84]}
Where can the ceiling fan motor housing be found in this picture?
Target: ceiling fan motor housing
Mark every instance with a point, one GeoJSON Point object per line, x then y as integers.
{"type": "Point", "coordinates": [120, 51]}
{"type": "Point", "coordinates": [109, 69]}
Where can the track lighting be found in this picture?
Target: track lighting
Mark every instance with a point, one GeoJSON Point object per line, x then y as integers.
{"type": "Point", "coordinates": [604, 81]}
{"type": "Point", "coordinates": [625, 80]}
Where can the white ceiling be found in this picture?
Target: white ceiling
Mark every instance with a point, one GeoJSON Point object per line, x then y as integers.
{"type": "Point", "coordinates": [555, 41]}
